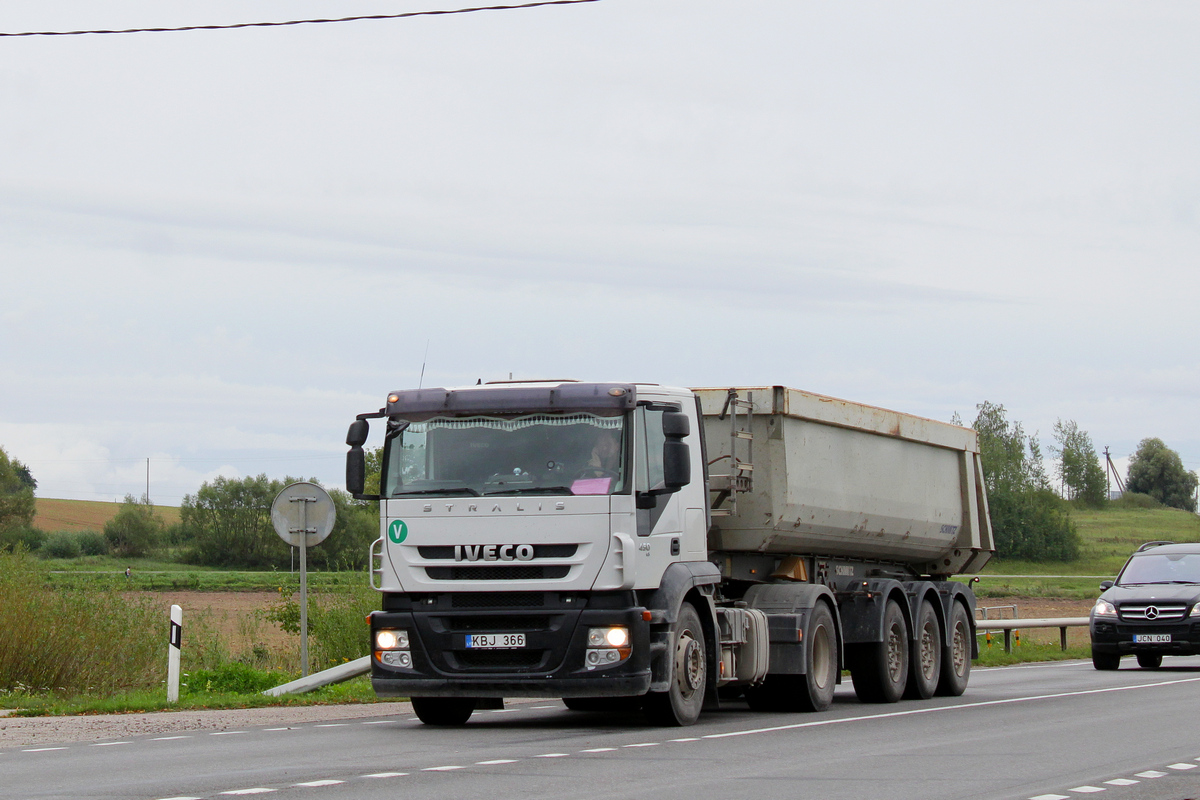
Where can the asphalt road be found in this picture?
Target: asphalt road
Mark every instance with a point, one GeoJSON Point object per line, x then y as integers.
{"type": "Point", "coordinates": [1046, 731]}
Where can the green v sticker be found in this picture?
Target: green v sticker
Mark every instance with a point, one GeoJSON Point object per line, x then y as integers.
{"type": "Point", "coordinates": [397, 531]}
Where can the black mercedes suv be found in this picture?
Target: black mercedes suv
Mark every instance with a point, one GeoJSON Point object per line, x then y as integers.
{"type": "Point", "coordinates": [1151, 610]}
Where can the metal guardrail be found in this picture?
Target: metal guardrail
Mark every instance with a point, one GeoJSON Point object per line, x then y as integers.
{"type": "Point", "coordinates": [1009, 625]}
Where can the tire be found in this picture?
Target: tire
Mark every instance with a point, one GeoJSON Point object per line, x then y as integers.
{"type": "Point", "coordinates": [880, 670]}
{"type": "Point", "coordinates": [443, 710]}
{"type": "Point", "coordinates": [680, 705]}
{"type": "Point", "coordinates": [1106, 661]}
{"type": "Point", "coordinates": [956, 656]}
{"type": "Point", "coordinates": [1149, 660]}
{"type": "Point", "coordinates": [925, 662]}
{"type": "Point", "coordinates": [812, 691]}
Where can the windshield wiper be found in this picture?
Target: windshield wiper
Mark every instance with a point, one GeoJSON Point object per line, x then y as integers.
{"type": "Point", "coordinates": [533, 490]}
{"type": "Point", "coordinates": [452, 489]}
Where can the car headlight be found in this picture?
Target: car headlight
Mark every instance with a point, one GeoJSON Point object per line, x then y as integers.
{"type": "Point", "coordinates": [390, 639]}
{"type": "Point", "coordinates": [1196, 610]}
{"type": "Point", "coordinates": [1103, 608]}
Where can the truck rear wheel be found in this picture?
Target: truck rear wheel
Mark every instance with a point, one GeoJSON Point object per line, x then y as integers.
{"type": "Point", "coordinates": [925, 665]}
{"type": "Point", "coordinates": [880, 670]}
{"type": "Point", "coordinates": [681, 703]}
{"type": "Point", "coordinates": [956, 658]}
{"type": "Point", "coordinates": [812, 691]}
{"type": "Point", "coordinates": [443, 710]}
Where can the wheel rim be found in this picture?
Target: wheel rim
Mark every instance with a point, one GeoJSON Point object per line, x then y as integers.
{"type": "Point", "coordinates": [821, 657]}
{"type": "Point", "coordinates": [959, 649]}
{"type": "Point", "coordinates": [895, 664]}
{"type": "Point", "coordinates": [689, 664]}
{"type": "Point", "coordinates": [928, 653]}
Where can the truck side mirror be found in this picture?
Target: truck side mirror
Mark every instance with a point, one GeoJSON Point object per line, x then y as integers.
{"type": "Point", "coordinates": [357, 435]}
{"type": "Point", "coordinates": [356, 470]}
{"type": "Point", "coordinates": [677, 457]}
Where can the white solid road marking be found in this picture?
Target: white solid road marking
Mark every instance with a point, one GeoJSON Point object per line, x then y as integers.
{"type": "Point", "coordinates": [256, 790]}
{"type": "Point", "coordinates": [319, 783]}
{"type": "Point", "coordinates": [939, 709]}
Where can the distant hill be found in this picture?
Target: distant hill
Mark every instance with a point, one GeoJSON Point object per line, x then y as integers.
{"type": "Point", "coordinates": [85, 515]}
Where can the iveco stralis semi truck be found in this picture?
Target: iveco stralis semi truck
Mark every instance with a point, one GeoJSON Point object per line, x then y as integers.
{"type": "Point", "coordinates": [625, 545]}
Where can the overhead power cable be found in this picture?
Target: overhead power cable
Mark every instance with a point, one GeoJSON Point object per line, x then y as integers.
{"type": "Point", "coordinates": [308, 21]}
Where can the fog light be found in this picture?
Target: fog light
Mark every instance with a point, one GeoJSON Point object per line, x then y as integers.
{"type": "Point", "coordinates": [396, 658]}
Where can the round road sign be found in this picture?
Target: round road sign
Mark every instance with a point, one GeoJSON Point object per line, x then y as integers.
{"type": "Point", "coordinates": [302, 507]}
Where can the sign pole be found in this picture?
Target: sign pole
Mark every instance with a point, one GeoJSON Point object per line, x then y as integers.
{"type": "Point", "coordinates": [304, 501]}
{"type": "Point", "coordinates": [300, 526]}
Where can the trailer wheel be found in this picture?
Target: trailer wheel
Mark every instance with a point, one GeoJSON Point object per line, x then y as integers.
{"type": "Point", "coordinates": [956, 659]}
{"type": "Point", "coordinates": [880, 670]}
{"type": "Point", "coordinates": [925, 667]}
{"type": "Point", "coordinates": [681, 703]}
{"type": "Point", "coordinates": [812, 691]}
{"type": "Point", "coordinates": [443, 710]}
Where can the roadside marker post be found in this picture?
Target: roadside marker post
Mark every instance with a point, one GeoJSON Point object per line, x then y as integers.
{"type": "Point", "coordinates": [174, 645]}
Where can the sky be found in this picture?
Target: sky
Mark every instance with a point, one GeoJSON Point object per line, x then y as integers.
{"type": "Point", "coordinates": [217, 247]}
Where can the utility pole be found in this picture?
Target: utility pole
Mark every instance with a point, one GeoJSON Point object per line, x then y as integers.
{"type": "Point", "coordinates": [1112, 470]}
{"type": "Point", "coordinates": [147, 481]}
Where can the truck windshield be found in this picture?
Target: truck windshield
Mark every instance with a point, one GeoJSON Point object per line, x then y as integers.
{"type": "Point", "coordinates": [1161, 568]}
{"type": "Point", "coordinates": [536, 454]}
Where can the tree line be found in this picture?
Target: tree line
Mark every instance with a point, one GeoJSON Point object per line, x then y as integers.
{"type": "Point", "coordinates": [1030, 520]}
{"type": "Point", "coordinates": [226, 523]}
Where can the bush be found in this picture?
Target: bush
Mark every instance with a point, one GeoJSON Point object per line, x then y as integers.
{"type": "Point", "coordinates": [233, 678]}
{"type": "Point", "coordinates": [1135, 500]}
{"type": "Point", "coordinates": [24, 537]}
{"type": "Point", "coordinates": [61, 544]}
{"type": "Point", "coordinates": [71, 642]}
{"type": "Point", "coordinates": [92, 543]}
{"type": "Point", "coordinates": [336, 626]}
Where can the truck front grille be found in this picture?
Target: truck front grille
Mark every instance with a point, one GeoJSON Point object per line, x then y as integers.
{"type": "Point", "coordinates": [498, 600]}
{"type": "Point", "coordinates": [1152, 612]}
{"type": "Point", "coordinates": [498, 624]}
{"type": "Point", "coordinates": [498, 659]}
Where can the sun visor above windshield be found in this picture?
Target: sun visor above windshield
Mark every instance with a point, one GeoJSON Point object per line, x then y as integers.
{"type": "Point", "coordinates": [598, 398]}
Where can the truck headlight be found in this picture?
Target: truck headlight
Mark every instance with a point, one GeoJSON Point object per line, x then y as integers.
{"type": "Point", "coordinates": [607, 646]}
{"type": "Point", "coordinates": [1103, 608]}
{"type": "Point", "coordinates": [617, 636]}
{"type": "Point", "coordinates": [391, 639]}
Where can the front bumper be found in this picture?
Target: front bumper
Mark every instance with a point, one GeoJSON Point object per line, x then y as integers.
{"type": "Point", "coordinates": [1114, 636]}
{"type": "Point", "coordinates": [552, 663]}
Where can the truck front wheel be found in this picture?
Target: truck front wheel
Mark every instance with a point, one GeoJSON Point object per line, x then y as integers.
{"type": "Point", "coordinates": [681, 703]}
{"type": "Point", "coordinates": [443, 710]}
{"type": "Point", "coordinates": [880, 670]}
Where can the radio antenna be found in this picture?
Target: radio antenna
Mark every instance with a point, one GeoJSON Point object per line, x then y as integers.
{"type": "Point", "coordinates": [421, 382]}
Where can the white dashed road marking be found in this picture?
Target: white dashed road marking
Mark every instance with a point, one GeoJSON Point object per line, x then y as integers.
{"type": "Point", "coordinates": [1121, 782]}
{"type": "Point", "coordinates": [1088, 789]}
{"type": "Point", "coordinates": [1181, 766]}
{"type": "Point", "coordinates": [497, 761]}
{"type": "Point", "coordinates": [319, 783]}
{"type": "Point", "coordinates": [1150, 774]}
{"type": "Point", "coordinates": [386, 775]}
